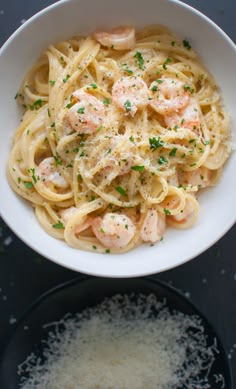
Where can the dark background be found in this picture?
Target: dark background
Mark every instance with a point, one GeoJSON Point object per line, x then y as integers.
{"type": "Point", "coordinates": [209, 280]}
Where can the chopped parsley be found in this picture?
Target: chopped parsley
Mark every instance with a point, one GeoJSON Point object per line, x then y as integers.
{"type": "Point", "coordinates": [94, 86]}
{"type": "Point", "coordinates": [52, 82]}
{"type": "Point", "coordinates": [57, 159]}
{"type": "Point", "coordinates": [126, 69]}
{"type": "Point", "coordinates": [162, 160]}
{"type": "Point", "coordinates": [168, 60]}
{"type": "Point", "coordinates": [172, 43]}
{"type": "Point", "coordinates": [127, 105]}
{"type": "Point", "coordinates": [131, 138]}
{"type": "Point", "coordinates": [58, 226]}
{"type": "Point", "coordinates": [32, 171]}
{"type": "Point", "coordinates": [62, 60]}
{"type": "Point", "coordinates": [138, 168]}
{"type": "Point", "coordinates": [28, 185]}
{"type": "Point", "coordinates": [167, 212]}
{"type": "Point", "coordinates": [81, 110]}
{"type": "Point", "coordinates": [155, 143]}
{"type": "Point", "coordinates": [187, 44]}
{"type": "Point", "coordinates": [173, 152]}
{"type": "Point", "coordinates": [189, 89]}
{"type": "Point", "coordinates": [36, 105]}
{"type": "Point", "coordinates": [121, 190]}
{"type": "Point", "coordinates": [106, 101]}
{"type": "Point", "coordinates": [129, 71]}
{"type": "Point", "coordinates": [140, 59]}
{"type": "Point", "coordinates": [154, 88]}
{"type": "Point", "coordinates": [66, 78]}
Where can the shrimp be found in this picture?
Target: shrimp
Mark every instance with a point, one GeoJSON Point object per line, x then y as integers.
{"type": "Point", "coordinates": [200, 177]}
{"type": "Point", "coordinates": [188, 215]}
{"type": "Point", "coordinates": [130, 93]}
{"type": "Point", "coordinates": [86, 115]}
{"type": "Point", "coordinates": [187, 118]}
{"type": "Point", "coordinates": [153, 227]}
{"type": "Point", "coordinates": [120, 38]}
{"type": "Point", "coordinates": [114, 230]}
{"type": "Point", "coordinates": [50, 174]}
{"type": "Point", "coordinates": [168, 96]}
{"type": "Point", "coordinates": [67, 213]}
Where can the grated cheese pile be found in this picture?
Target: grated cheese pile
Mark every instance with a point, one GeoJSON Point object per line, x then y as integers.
{"type": "Point", "coordinates": [126, 342]}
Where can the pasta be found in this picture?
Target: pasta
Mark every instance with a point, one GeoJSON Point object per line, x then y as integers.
{"type": "Point", "coordinates": [120, 133]}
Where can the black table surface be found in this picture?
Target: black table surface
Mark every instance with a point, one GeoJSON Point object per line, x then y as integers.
{"type": "Point", "coordinates": [209, 280]}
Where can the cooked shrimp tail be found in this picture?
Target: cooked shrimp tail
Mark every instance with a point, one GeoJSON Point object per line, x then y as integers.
{"type": "Point", "coordinates": [120, 38]}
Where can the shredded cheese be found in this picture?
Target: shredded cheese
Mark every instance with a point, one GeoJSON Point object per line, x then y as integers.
{"type": "Point", "coordinates": [126, 342]}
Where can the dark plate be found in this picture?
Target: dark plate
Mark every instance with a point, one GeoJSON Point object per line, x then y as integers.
{"type": "Point", "coordinates": [83, 292]}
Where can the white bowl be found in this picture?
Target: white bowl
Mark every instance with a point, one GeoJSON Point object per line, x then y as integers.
{"type": "Point", "coordinates": [71, 17]}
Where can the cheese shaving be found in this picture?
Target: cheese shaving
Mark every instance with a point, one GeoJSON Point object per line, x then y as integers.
{"type": "Point", "coordinates": [125, 342]}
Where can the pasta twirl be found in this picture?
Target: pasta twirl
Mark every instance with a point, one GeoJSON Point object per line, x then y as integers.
{"type": "Point", "coordinates": [121, 131]}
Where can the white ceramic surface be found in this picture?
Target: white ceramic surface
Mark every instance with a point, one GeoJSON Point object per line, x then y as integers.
{"type": "Point", "coordinates": [70, 17]}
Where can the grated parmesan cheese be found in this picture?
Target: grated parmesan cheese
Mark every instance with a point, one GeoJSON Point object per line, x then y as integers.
{"type": "Point", "coordinates": [126, 342]}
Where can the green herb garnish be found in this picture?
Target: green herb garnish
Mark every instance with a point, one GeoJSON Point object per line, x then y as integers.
{"type": "Point", "coordinates": [32, 171]}
{"type": "Point", "coordinates": [121, 190]}
{"type": "Point", "coordinates": [127, 105]}
{"type": "Point", "coordinates": [140, 59]}
{"type": "Point", "coordinates": [66, 78]}
{"type": "Point", "coordinates": [173, 152]}
{"type": "Point", "coordinates": [28, 185]}
{"type": "Point", "coordinates": [81, 110]}
{"type": "Point", "coordinates": [36, 105]}
{"type": "Point", "coordinates": [57, 159]}
{"type": "Point", "coordinates": [58, 226]}
{"type": "Point", "coordinates": [138, 168]}
{"type": "Point", "coordinates": [187, 44]}
{"type": "Point", "coordinates": [189, 89]}
{"type": "Point", "coordinates": [106, 101]}
{"type": "Point", "coordinates": [162, 160]}
{"type": "Point", "coordinates": [154, 88]}
{"type": "Point", "coordinates": [155, 143]}
{"type": "Point", "coordinates": [168, 60]}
